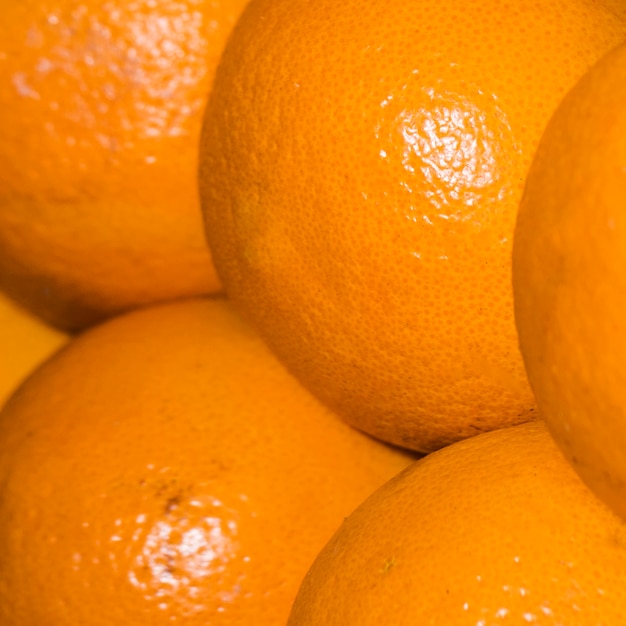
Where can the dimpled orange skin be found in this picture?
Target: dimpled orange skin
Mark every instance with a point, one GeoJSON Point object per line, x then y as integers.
{"type": "Point", "coordinates": [101, 111]}
{"type": "Point", "coordinates": [496, 529]}
{"type": "Point", "coordinates": [166, 468]}
{"type": "Point", "coordinates": [25, 342]}
{"type": "Point", "coordinates": [569, 278]}
{"type": "Point", "coordinates": [361, 167]}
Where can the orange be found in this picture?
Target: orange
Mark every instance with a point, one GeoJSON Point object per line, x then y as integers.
{"type": "Point", "coordinates": [570, 277]}
{"type": "Point", "coordinates": [165, 468]}
{"type": "Point", "coordinates": [361, 169]}
{"type": "Point", "coordinates": [101, 112]}
{"type": "Point", "coordinates": [497, 529]}
{"type": "Point", "coordinates": [25, 342]}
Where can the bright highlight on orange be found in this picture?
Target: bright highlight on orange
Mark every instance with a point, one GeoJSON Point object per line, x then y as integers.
{"type": "Point", "coordinates": [361, 170]}
{"type": "Point", "coordinates": [101, 111]}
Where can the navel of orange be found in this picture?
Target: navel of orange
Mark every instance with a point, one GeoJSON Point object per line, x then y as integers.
{"type": "Point", "coordinates": [165, 467]}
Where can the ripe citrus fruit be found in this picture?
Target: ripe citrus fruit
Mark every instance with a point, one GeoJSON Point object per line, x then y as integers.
{"type": "Point", "coordinates": [497, 529]}
{"type": "Point", "coordinates": [24, 343]}
{"type": "Point", "coordinates": [101, 113]}
{"type": "Point", "coordinates": [165, 467]}
{"type": "Point", "coordinates": [361, 168]}
{"type": "Point", "coordinates": [570, 277]}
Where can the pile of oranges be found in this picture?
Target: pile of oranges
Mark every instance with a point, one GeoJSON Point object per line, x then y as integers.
{"type": "Point", "coordinates": [312, 313]}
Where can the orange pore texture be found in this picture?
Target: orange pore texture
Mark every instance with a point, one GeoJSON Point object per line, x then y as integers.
{"type": "Point", "coordinates": [24, 343]}
{"type": "Point", "coordinates": [361, 168]}
{"type": "Point", "coordinates": [101, 112]}
{"type": "Point", "coordinates": [570, 277]}
{"type": "Point", "coordinates": [497, 529]}
{"type": "Point", "coordinates": [163, 468]}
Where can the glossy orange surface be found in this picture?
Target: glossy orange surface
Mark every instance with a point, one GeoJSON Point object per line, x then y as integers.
{"type": "Point", "coordinates": [165, 468]}
{"type": "Point", "coordinates": [494, 530]}
{"type": "Point", "coordinates": [570, 277]}
{"type": "Point", "coordinates": [361, 169]}
{"type": "Point", "coordinates": [101, 111]}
